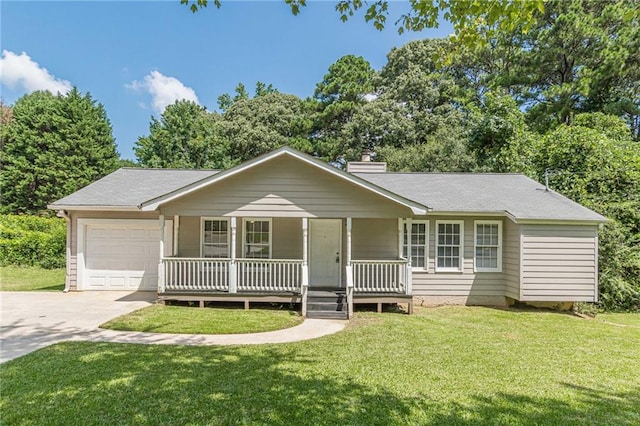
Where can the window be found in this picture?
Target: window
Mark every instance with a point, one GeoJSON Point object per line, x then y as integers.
{"type": "Point", "coordinates": [419, 243]}
{"type": "Point", "coordinates": [488, 241]}
{"type": "Point", "coordinates": [449, 245]}
{"type": "Point", "coordinates": [257, 238]}
{"type": "Point", "coordinates": [215, 238]}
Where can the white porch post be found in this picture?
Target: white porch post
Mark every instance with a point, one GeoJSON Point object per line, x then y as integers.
{"type": "Point", "coordinates": [349, 268]}
{"type": "Point", "coordinates": [409, 247]}
{"type": "Point", "coordinates": [161, 283]}
{"type": "Point", "coordinates": [305, 264]}
{"type": "Point", "coordinates": [409, 254]}
{"type": "Point", "coordinates": [400, 237]}
{"type": "Point", "coordinates": [233, 266]}
{"type": "Point", "coordinates": [176, 235]}
{"type": "Point", "coordinates": [348, 241]}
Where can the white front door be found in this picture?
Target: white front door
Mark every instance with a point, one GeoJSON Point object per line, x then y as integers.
{"type": "Point", "coordinates": [325, 238]}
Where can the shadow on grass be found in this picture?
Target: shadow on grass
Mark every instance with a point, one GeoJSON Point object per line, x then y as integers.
{"type": "Point", "coordinates": [123, 384]}
{"type": "Point", "coordinates": [582, 405]}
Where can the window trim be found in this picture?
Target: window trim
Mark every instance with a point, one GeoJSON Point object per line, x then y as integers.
{"type": "Point", "coordinates": [244, 235]}
{"type": "Point", "coordinates": [426, 243]}
{"type": "Point", "coordinates": [475, 245]}
{"type": "Point", "coordinates": [225, 219]}
{"type": "Point", "coordinates": [437, 237]}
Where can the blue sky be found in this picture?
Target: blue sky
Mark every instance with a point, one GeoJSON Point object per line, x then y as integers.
{"type": "Point", "coordinates": [135, 57]}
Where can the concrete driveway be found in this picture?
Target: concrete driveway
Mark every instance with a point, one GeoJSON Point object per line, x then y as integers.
{"type": "Point", "coordinates": [33, 320]}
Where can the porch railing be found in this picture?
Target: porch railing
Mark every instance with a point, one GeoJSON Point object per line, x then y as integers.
{"type": "Point", "coordinates": [193, 274]}
{"type": "Point", "coordinates": [269, 274]}
{"type": "Point", "coordinates": [276, 275]}
{"type": "Point", "coordinates": [380, 276]}
{"type": "Point", "coordinates": [206, 274]}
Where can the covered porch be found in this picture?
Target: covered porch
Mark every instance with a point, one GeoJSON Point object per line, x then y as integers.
{"type": "Point", "coordinates": [285, 260]}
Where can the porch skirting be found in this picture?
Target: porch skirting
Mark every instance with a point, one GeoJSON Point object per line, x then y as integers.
{"type": "Point", "coordinates": [280, 297]}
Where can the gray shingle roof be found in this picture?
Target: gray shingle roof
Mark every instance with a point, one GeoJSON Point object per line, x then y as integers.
{"type": "Point", "coordinates": [516, 194]}
{"type": "Point", "coordinates": [130, 187]}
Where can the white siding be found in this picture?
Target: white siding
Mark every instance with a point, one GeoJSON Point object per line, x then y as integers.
{"type": "Point", "coordinates": [374, 239]}
{"type": "Point", "coordinates": [467, 283]}
{"type": "Point", "coordinates": [559, 263]}
{"type": "Point", "coordinates": [286, 238]}
{"type": "Point", "coordinates": [284, 187]}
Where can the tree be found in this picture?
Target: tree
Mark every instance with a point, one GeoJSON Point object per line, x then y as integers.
{"type": "Point", "coordinates": [499, 135]}
{"type": "Point", "coordinates": [226, 100]}
{"type": "Point", "coordinates": [185, 136]}
{"type": "Point", "coordinates": [53, 146]}
{"type": "Point", "coordinates": [474, 22]}
{"type": "Point", "coordinates": [261, 124]}
{"type": "Point", "coordinates": [416, 123]}
{"type": "Point", "coordinates": [577, 56]}
{"type": "Point", "coordinates": [340, 93]}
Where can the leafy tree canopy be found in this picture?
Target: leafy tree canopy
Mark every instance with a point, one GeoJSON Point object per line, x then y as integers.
{"type": "Point", "coordinates": [185, 136]}
{"type": "Point", "coordinates": [473, 21]}
{"type": "Point", "coordinates": [261, 124]}
{"type": "Point", "coordinates": [52, 146]}
{"type": "Point", "coordinates": [226, 100]}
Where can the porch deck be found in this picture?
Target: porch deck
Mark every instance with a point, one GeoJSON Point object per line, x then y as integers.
{"type": "Point", "coordinates": [280, 281]}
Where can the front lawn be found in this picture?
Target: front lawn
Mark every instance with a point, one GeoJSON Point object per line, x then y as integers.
{"type": "Point", "coordinates": [183, 319]}
{"type": "Point", "coordinates": [450, 365]}
{"type": "Point", "coordinates": [31, 278]}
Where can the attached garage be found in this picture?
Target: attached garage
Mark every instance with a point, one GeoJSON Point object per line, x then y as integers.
{"type": "Point", "coordinates": [118, 254]}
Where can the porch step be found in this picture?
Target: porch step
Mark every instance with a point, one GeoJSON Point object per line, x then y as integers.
{"type": "Point", "coordinates": [327, 315]}
{"type": "Point", "coordinates": [327, 303]}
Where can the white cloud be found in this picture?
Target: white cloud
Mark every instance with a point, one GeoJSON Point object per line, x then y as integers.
{"type": "Point", "coordinates": [20, 71]}
{"type": "Point", "coordinates": [370, 97]}
{"type": "Point", "coordinates": [163, 90]}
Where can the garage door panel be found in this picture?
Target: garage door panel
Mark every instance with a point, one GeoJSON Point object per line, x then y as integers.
{"type": "Point", "coordinates": [98, 281]}
{"type": "Point", "coordinates": [121, 256]}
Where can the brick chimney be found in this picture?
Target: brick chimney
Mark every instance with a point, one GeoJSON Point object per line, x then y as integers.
{"type": "Point", "coordinates": [365, 165]}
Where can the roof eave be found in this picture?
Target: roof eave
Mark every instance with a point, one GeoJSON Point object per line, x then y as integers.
{"type": "Point", "coordinates": [560, 221]}
{"type": "Point", "coordinates": [92, 207]}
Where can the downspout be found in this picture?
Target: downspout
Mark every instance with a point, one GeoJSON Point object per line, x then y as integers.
{"type": "Point", "coordinates": [67, 280]}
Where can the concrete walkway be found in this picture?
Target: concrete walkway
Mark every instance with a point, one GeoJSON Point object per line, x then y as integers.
{"type": "Point", "coordinates": [33, 320]}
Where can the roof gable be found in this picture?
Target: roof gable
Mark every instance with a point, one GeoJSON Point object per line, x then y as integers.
{"type": "Point", "coordinates": [153, 204]}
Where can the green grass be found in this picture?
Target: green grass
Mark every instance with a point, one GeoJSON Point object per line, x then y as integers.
{"type": "Point", "coordinates": [31, 278]}
{"type": "Point", "coordinates": [450, 365]}
{"type": "Point", "coordinates": [626, 319]}
{"type": "Point", "coordinates": [183, 319]}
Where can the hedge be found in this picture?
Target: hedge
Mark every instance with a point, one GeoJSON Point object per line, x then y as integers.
{"type": "Point", "coordinates": [32, 241]}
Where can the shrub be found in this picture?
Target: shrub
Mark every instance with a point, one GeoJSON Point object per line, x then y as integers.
{"type": "Point", "coordinates": [32, 241]}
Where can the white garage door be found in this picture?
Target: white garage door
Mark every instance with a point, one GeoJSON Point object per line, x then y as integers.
{"type": "Point", "coordinates": [121, 255]}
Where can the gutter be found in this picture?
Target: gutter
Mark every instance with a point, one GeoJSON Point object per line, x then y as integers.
{"type": "Point", "coordinates": [67, 279]}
